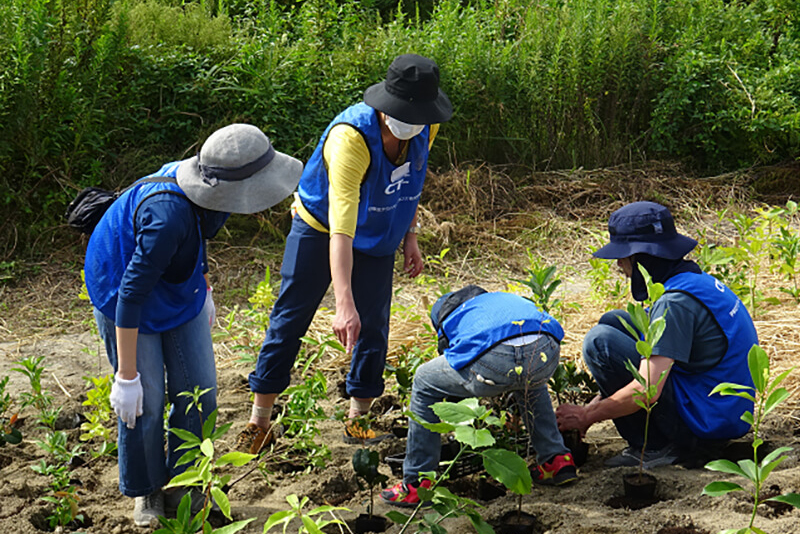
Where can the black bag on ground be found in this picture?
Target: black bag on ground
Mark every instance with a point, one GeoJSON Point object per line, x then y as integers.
{"type": "Point", "coordinates": [88, 207]}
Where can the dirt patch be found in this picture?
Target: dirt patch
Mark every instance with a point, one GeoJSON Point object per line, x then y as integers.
{"type": "Point", "coordinates": [491, 223]}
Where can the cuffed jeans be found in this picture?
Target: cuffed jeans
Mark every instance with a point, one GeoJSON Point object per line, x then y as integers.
{"type": "Point", "coordinates": [606, 348]}
{"type": "Point", "coordinates": [306, 275]}
{"type": "Point", "coordinates": [170, 362]}
{"type": "Point", "coordinates": [492, 374]}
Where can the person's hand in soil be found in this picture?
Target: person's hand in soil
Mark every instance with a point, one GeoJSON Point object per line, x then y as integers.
{"type": "Point", "coordinates": [573, 417]}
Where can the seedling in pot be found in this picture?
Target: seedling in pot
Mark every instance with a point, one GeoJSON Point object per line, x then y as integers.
{"type": "Point", "coordinates": [648, 333]}
{"type": "Point", "coordinates": [365, 464]}
{"type": "Point", "coordinates": [766, 396]}
{"type": "Point", "coordinates": [310, 522]}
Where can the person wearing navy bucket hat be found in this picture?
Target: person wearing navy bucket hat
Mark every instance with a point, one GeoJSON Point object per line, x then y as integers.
{"type": "Point", "coordinates": [355, 205]}
{"type": "Point", "coordinates": [146, 273]}
{"type": "Point", "coordinates": [706, 340]}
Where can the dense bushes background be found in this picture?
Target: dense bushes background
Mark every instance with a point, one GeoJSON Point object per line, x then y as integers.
{"type": "Point", "coordinates": [104, 91]}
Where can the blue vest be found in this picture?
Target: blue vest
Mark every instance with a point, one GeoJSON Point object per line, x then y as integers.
{"type": "Point", "coordinates": [111, 248]}
{"type": "Point", "coordinates": [715, 417]}
{"type": "Point", "coordinates": [389, 193]}
{"type": "Point", "coordinates": [484, 321]}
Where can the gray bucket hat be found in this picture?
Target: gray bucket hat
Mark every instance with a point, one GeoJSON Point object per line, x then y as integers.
{"type": "Point", "coordinates": [238, 171]}
{"type": "Point", "coordinates": [644, 227]}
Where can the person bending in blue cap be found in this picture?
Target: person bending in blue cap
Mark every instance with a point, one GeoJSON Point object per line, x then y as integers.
{"type": "Point", "coordinates": [707, 338]}
{"type": "Point", "coordinates": [484, 338]}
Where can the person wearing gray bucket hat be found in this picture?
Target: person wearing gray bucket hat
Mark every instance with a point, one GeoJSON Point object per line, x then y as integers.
{"type": "Point", "coordinates": [147, 276]}
{"type": "Point", "coordinates": [706, 340]}
{"type": "Point", "coordinates": [355, 205]}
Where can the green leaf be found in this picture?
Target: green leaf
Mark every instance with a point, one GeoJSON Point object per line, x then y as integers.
{"type": "Point", "coordinates": [208, 426]}
{"type": "Point", "coordinates": [715, 489]}
{"type": "Point", "coordinates": [775, 398]}
{"type": "Point", "coordinates": [188, 457]}
{"type": "Point", "coordinates": [310, 525]}
{"type": "Point", "coordinates": [463, 412]}
{"type": "Point", "coordinates": [186, 436]}
{"type": "Point", "coordinates": [758, 362]}
{"type": "Point", "coordinates": [509, 469]}
{"type": "Point", "coordinates": [479, 523]}
{"type": "Point", "coordinates": [234, 527]}
{"type": "Point", "coordinates": [187, 478]}
{"type": "Point", "coordinates": [779, 379]}
{"type": "Point", "coordinates": [397, 517]}
{"type": "Point", "coordinates": [635, 372]}
{"type": "Point", "coordinates": [236, 458]}
{"type": "Point", "coordinates": [643, 348]}
{"type": "Point", "coordinates": [475, 438]}
{"type": "Point", "coordinates": [749, 469]}
{"type": "Point", "coordinates": [207, 447]}
{"type": "Point", "coordinates": [747, 417]}
{"type": "Point", "coordinates": [222, 501]}
{"type": "Point", "coordinates": [278, 518]}
{"type": "Point", "coordinates": [656, 331]}
{"type": "Point", "coordinates": [725, 466]}
{"type": "Point", "coordinates": [790, 498]}
{"type": "Point", "coordinates": [774, 454]}
{"type": "Point", "coordinates": [221, 431]}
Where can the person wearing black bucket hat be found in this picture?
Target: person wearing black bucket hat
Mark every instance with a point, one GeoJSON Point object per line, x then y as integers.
{"type": "Point", "coordinates": [355, 205]}
{"type": "Point", "coordinates": [706, 340]}
{"type": "Point", "coordinates": [146, 274]}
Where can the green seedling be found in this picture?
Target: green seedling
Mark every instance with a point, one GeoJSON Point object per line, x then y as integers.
{"type": "Point", "coordinates": [437, 263]}
{"type": "Point", "coordinates": [648, 333]}
{"type": "Point", "coordinates": [314, 349]}
{"type": "Point", "coordinates": [62, 493]}
{"type": "Point", "coordinates": [310, 523]}
{"type": "Point", "coordinates": [542, 282]}
{"type": "Point", "coordinates": [766, 395]}
{"type": "Point", "coordinates": [365, 464]}
{"type": "Point", "coordinates": [572, 385]}
{"type": "Point", "coordinates": [470, 423]}
{"type": "Point", "coordinates": [99, 414]}
{"type": "Point", "coordinates": [203, 473]}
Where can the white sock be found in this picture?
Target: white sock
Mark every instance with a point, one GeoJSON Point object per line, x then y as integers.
{"type": "Point", "coordinates": [261, 416]}
{"type": "Point", "coordinates": [359, 407]}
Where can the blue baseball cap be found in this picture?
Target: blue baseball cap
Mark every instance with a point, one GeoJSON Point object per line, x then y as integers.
{"type": "Point", "coordinates": [644, 227]}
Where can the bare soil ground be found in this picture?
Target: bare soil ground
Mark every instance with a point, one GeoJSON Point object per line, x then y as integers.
{"type": "Point", "coordinates": [492, 227]}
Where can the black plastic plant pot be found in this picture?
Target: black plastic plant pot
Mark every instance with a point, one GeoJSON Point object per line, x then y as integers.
{"type": "Point", "coordinates": [365, 523]}
{"type": "Point", "coordinates": [576, 445]}
{"type": "Point", "coordinates": [399, 430]}
{"type": "Point", "coordinates": [641, 487]}
{"type": "Point", "coordinates": [517, 523]}
{"type": "Point", "coordinates": [488, 491]}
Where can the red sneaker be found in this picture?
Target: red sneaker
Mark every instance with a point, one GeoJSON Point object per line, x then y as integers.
{"type": "Point", "coordinates": [557, 472]}
{"type": "Point", "coordinates": [405, 495]}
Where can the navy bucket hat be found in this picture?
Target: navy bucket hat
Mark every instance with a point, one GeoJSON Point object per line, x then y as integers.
{"type": "Point", "coordinates": [644, 227]}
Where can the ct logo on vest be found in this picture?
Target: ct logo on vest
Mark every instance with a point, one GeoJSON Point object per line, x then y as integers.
{"type": "Point", "coordinates": [397, 178]}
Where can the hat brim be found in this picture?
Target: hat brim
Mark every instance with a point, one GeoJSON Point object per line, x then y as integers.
{"type": "Point", "coordinates": [260, 191]}
{"type": "Point", "coordinates": [416, 112]}
{"type": "Point", "coordinates": [672, 249]}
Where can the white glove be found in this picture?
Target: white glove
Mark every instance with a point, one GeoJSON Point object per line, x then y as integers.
{"type": "Point", "coordinates": [209, 307]}
{"type": "Point", "coordinates": [126, 399]}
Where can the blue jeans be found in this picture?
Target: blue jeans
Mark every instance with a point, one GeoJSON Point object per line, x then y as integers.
{"type": "Point", "coordinates": [305, 277]}
{"type": "Point", "coordinates": [490, 375]}
{"type": "Point", "coordinates": [170, 362]}
{"type": "Point", "coordinates": [606, 347]}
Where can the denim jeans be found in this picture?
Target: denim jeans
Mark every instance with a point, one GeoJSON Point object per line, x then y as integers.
{"type": "Point", "coordinates": [170, 362]}
{"type": "Point", "coordinates": [305, 277]}
{"type": "Point", "coordinates": [606, 347]}
{"type": "Point", "coordinates": [490, 375]}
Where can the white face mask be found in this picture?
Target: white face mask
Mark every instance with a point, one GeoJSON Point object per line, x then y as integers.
{"type": "Point", "coordinates": [401, 130]}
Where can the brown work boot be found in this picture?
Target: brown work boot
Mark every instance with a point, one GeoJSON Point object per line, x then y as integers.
{"type": "Point", "coordinates": [254, 439]}
{"type": "Point", "coordinates": [357, 431]}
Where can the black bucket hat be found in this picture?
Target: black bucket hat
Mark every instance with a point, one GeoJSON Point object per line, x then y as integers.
{"type": "Point", "coordinates": [411, 92]}
{"type": "Point", "coordinates": [644, 227]}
